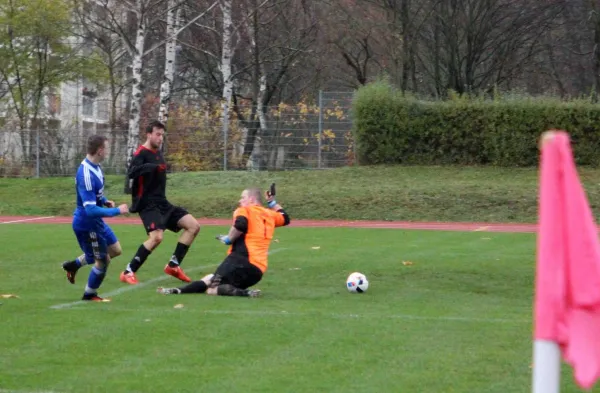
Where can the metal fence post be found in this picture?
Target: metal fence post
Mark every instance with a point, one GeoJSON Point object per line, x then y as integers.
{"type": "Point", "coordinates": [320, 127]}
{"type": "Point", "coordinates": [37, 153]}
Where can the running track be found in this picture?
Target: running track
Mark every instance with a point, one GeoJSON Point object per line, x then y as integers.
{"type": "Point", "coordinates": [437, 226]}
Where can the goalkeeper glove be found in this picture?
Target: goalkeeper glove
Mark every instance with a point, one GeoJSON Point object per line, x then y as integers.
{"type": "Point", "coordinates": [223, 239]}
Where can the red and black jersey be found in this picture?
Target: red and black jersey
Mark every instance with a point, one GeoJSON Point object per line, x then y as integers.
{"type": "Point", "coordinates": [148, 170]}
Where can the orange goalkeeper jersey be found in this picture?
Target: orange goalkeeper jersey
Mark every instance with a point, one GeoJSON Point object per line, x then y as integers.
{"type": "Point", "coordinates": [254, 244]}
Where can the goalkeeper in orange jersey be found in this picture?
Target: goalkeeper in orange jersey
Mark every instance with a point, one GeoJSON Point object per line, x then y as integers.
{"type": "Point", "coordinates": [249, 238]}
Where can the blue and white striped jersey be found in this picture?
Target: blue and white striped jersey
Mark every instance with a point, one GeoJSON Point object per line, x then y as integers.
{"type": "Point", "coordinates": [89, 183]}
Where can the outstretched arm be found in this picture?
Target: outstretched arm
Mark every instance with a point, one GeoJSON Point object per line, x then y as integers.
{"type": "Point", "coordinates": [88, 196]}
{"type": "Point", "coordinates": [97, 211]}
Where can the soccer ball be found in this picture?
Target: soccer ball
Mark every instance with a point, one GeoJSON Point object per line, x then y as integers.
{"type": "Point", "coordinates": [357, 283]}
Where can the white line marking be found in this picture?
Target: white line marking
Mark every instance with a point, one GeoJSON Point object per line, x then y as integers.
{"type": "Point", "coordinates": [23, 220]}
{"type": "Point", "coordinates": [275, 251]}
{"type": "Point", "coordinates": [128, 288]}
{"type": "Point", "coordinates": [282, 313]}
{"type": "Point", "coordinates": [368, 316]}
{"type": "Point", "coordinates": [26, 391]}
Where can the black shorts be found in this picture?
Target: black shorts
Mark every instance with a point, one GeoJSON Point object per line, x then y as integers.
{"type": "Point", "coordinates": [239, 272]}
{"type": "Point", "coordinates": [162, 216]}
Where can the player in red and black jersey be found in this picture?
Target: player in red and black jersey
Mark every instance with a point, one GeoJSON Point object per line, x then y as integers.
{"type": "Point", "coordinates": [148, 176]}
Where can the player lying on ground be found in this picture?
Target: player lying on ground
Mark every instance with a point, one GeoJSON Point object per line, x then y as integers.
{"type": "Point", "coordinates": [249, 239]}
{"type": "Point", "coordinates": [96, 239]}
{"type": "Point", "coordinates": [148, 172]}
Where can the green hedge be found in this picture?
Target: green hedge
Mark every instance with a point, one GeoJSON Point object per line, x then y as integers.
{"type": "Point", "coordinates": [392, 129]}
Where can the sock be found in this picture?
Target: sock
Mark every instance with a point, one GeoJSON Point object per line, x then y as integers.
{"type": "Point", "coordinates": [94, 280]}
{"type": "Point", "coordinates": [81, 261]}
{"type": "Point", "coordinates": [138, 260]}
{"type": "Point", "coordinates": [179, 254]}
{"type": "Point", "coordinates": [76, 263]}
{"type": "Point", "coordinates": [230, 290]}
{"type": "Point", "coordinates": [194, 287]}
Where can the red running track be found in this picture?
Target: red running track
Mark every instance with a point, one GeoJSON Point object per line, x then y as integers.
{"type": "Point", "coordinates": [437, 226]}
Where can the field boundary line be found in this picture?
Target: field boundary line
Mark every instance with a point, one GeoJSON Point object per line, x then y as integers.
{"type": "Point", "coordinates": [26, 391]}
{"type": "Point", "coordinates": [283, 313]}
{"type": "Point", "coordinates": [23, 219]}
{"type": "Point", "coordinates": [301, 223]}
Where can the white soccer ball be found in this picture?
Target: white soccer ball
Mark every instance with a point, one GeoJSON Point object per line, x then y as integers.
{"type": "Point", "coordinates": [357, 283]}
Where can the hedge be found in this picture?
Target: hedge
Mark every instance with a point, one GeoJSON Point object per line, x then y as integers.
{"type": "Point", "coordinates": [391, 128]}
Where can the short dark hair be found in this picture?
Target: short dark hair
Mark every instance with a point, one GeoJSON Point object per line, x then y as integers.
{"type": "Point", "coordinates": [95, 142]}
{"type": "Point", "coordinates": [256, 193]}
{"type": "Point", "coordinates": [153, 125]}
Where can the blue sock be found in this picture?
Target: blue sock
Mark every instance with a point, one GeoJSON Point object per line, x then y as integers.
{"type": "Point", "coordinates": [95, 280]}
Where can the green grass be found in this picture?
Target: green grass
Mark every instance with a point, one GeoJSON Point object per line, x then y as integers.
{"type": "Point", "coordinates": [362, 193]}
{"type": "Point", "coordinates": [457, 320]}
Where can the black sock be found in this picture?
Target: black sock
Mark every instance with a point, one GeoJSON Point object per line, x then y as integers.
{"type": "Point", "coordinates": [194, 287]}
{"type": "Point", "coordinates": [230, 290]}
{"type": "Point", "coordinates": [179, 254]}
{"type": "Point", "coordinates": [138, 260]}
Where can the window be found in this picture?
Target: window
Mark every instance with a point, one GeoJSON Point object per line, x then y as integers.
{"type": "Point", "coordinates": [88, 106]}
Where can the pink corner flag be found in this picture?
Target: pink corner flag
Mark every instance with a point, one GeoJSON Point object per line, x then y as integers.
{"type": "Point", "coordinates": [567, 284]}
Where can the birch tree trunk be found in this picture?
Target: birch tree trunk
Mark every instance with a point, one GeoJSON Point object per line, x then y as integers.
{"type": "Point", "coordinates": [262, 118]}
{"type": "Point", "coordinates": [173, 17]}
{"type": "Point", "coordinates": [225, 68]}
{"type": "Point", "coordinates": [259, 153]}
{"type": "Point", "coordinates": [133, 132]}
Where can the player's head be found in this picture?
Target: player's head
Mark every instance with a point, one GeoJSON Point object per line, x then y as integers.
{"type": "Point", "coordinates": [97, 146]}
{"type": "Point", "coordinates": [155, 132]}
{"type": "Point", "coordinates": [251, 196]}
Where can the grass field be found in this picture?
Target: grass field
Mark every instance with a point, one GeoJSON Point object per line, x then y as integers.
{"type": "Point", "coordinates": [360, 193]}
{"type": "Point", "coordinates": [457, 320]}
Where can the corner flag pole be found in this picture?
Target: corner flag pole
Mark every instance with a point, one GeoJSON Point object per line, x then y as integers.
{"type": "Point", "coordinates": [546, 367]}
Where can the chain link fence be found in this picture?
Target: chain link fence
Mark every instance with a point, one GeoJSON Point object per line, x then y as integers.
{"type": "Point", "coordinates": [287, 137]}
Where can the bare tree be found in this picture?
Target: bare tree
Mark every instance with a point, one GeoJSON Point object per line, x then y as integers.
{"type": "Point", "coordinates": [473, 45]}
{"type": "Point", "coordinates": [278, 36]}
{"type": "Point", "coordinates": [173, 21]}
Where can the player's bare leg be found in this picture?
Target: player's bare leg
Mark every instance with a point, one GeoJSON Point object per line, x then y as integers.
{"type": "Point", "coordinates": [191, 228]}
{"type": "Point", "coordinates": [72, 267]}
{"type": "Point", "coordinates": [114, 250]}
{"type": "Point", "coordinates": [154, 239]}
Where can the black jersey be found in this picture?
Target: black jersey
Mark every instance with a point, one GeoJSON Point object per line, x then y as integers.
{"type": "Point", "coordinates": [148, 170]}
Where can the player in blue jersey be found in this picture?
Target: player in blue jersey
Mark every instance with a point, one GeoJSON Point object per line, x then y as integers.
{"type": "Point", "coordinates": [96, 239]}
